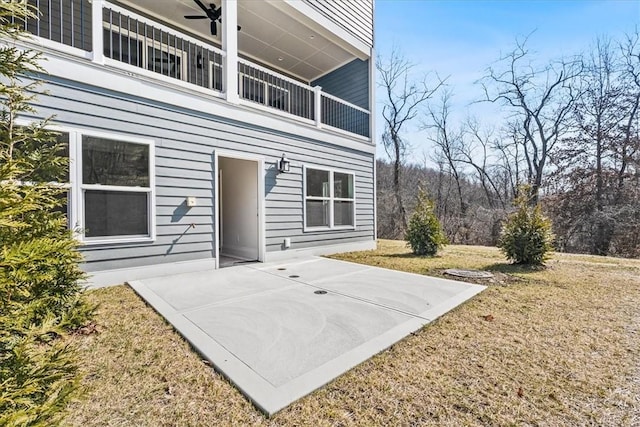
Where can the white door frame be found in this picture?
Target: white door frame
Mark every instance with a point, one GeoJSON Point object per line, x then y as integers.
{"type": "Point", "coordinates": [261, 196]}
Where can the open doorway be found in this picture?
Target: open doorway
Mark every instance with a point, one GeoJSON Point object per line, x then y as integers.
{"type": "Point", "coordinates": [239, 206]}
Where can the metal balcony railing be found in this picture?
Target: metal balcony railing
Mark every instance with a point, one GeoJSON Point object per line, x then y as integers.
{"type": "Point", "coordinates": [63, 21]}
{"type": "Point", "coordinates": [266, 87]}
{"type": "Point", "coordinates": [136, 41]}
{"type": "Point", "coordinates": [340, 114]}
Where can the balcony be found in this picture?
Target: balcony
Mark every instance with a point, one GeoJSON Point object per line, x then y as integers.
{"type": "Point", "coordinates": [140, 42]}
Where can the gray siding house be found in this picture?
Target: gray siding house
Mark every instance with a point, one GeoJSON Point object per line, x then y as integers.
{"type": "Point", "coordinates": [205, 132]}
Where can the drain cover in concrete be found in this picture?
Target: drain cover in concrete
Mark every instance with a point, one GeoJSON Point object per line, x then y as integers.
{"type": "Point", "coordinates": [278, 337]}
{"type": "Point", "coordinates": [471, 274]}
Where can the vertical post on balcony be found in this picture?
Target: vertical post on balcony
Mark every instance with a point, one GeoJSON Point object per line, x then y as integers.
{"type": "Point", "coordinates": [230, 46]}
{"type": "Point", "coordinates": [317, 107]}
{"type": "Point", "coordinates": [97, 32]}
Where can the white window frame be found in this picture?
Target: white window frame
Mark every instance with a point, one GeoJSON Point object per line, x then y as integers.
{"type": "Point", "coordinates": [74, 186]}
{"type": "Point", "coordinates": [78, 189]}
{"type": "Point", "coordinates": [331, 199]}
{"type": "Point", "coordinates": [265, 92]}
{"type": "Point", "coordinates": [212, 69]}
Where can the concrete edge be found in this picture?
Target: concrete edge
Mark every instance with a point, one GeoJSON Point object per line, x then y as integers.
{"type": "Point", "coordinates": [331, 370]}
{"type": "Point", "coordinates": [225, 363]}
{"type": "Point", "coordinates": [249, 383]}
{"type": "Point", "coordinates": [324, 374]}
{"type": "Point", "coordinates": [270, 399]}
{"type": "Point", "coordinates": [451, 303]}
{"type": "Point", "coordinates": [441, 279]}
{"type": "Point", "coordinates": [151, 298]}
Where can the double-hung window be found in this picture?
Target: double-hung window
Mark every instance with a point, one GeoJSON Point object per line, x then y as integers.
{"type": "Point", "coordinates": [329, 199]}
{"type": "Point", "coordinates": [109, 187]}
{"type": "Point", "coordinates": [116, 189]}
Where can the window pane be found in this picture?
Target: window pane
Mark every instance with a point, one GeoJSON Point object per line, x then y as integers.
{"type": "Point", "coordinates": [163, 62]}
{"type": "Point", "coordinates": [252, 89]}
{"type": "Point", "coordinates": [217, 77]}
{"type": "Point", "coordinates": [343, 185]}
{"type": "Point", "coordinates": [123, 48]}
{"type": "Point", "coordinates": [317, 183]}
{"type": "Point", "coordinates": [317, 213]}
{"type": "Point", "coordinates": [64, 206]}
{"type": "Point", "coordinates": [278, 98]}
{"type": "Point", "coordinates": [342, 213]}
{"type": "Point", "coordinates": [114, 213]}
{"type": "Point", "coordinates": [109, 162]}
{"type": "Point", "coordinates": [62, 139]}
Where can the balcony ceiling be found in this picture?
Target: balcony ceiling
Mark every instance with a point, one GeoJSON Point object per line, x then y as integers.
{"type": "Point", "coordinates": [269, 34]}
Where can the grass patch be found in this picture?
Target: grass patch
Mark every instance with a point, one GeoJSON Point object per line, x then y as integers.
{"type": "Point", "coordinates": [555, 346]}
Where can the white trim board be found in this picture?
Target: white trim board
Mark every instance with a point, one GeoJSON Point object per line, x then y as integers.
{"type": "Point", "coordinates": [320, 250]}
{"type": "Point", "coordinates": [260, 160]}
{"type": "Point", "coordinates": [104, 278]}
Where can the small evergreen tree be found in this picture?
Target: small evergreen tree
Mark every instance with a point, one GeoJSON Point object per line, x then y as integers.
{"type": "Point", "coordinates": [424, 234]}
{"type": "Point", "coordinates": [40, 297]}
{"type": "Point", "coordinates": [526, 236]}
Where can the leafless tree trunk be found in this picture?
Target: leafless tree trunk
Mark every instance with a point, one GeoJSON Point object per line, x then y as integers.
{"type": "Point", "coordinates": [403, 99]}
{"type": "Point", "coordinates": [447, 142]}
{"type": "Point", "coordinates": [541, 99]}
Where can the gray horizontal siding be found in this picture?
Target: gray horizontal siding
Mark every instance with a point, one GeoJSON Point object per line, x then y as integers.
{"type": "Point", "coordinates": [185, 144]}
{"type": "Point", "coordinates": [355, 16]}
{"type": "Point", "coordinates": [349, 82]}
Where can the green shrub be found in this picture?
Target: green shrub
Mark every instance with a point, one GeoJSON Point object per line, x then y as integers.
{"type": "Point", "coordinates": [526, 236]}
{"type": "Point", "coordinates": [424, 234]}
{"type": "Point", "coordinates": [40, 297]}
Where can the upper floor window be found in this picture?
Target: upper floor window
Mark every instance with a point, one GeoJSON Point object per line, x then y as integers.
{"type": "Point", "coordinates": [158, 51]}
{"type": "Point", "coordinates": [329, 198]}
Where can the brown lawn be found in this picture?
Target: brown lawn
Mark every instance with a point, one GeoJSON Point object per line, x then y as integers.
{"type": "Point", "coordinates": [557, 346]}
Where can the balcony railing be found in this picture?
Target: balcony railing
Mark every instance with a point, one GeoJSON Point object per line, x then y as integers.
{"type": "Point", "coordinates": [263, 86]}
{"type": "Point", "coordinates": [343, 115]}
{"type": "Point", "coordinates": [136, 41]}
{"type": "Point", "coordinates": [63, 21]}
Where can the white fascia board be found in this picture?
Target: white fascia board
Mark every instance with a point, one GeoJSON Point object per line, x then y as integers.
{"type": "Point", "coordinates": [127, 82]}
{"type": "Point", "coordinates": [306, 12]}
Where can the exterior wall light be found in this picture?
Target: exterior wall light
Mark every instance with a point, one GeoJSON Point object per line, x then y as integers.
{"type": "Point", "coordinates": [284, 165]}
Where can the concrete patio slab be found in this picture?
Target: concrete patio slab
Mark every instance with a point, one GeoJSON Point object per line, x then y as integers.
{"type": "Point", "coordinates": [278, 331]}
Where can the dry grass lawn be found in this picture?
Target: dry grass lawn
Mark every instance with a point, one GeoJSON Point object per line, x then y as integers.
{"type": "Point", "coordinates": [558, 346]}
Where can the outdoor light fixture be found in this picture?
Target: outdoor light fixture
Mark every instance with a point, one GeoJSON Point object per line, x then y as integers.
{"type": "Point", "coordinates": [284, 165]}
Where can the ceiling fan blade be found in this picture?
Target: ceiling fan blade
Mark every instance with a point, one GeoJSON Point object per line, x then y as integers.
{"type": "Point", "coordinates": [195, 17]}
{"type": "Point", "coordinates": [202, 6]}
{"type": "Point", "coordinates": [214, 28]}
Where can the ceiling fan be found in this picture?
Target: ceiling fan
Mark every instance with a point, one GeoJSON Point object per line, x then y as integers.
{"type": "Point", "coordinates": [212, 12]}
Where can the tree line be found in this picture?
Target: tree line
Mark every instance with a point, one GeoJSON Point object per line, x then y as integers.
{"type": "Point", "coordinates": [571, 132]}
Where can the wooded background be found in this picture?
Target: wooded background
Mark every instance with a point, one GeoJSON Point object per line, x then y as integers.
{"type": "Point", "coordinates": [571, 131]}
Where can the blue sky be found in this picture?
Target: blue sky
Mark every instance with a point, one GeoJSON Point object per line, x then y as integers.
{"type": "Point", "coordinates": [460, 39]}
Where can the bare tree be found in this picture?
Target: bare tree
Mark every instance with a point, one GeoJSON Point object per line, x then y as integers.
{"type": "Point", "coordinates": [629, 150]}
{"type": "Point", "coordinates": [448, 142]}
{"type": "Point", "coordinates": [594, 197]}
{"type": "Point", "coordinates": [477, 151]}
{"type": "Point", "coordinates": [403, 98]}
{"type": "Point", "coordinates": [541, 100]}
